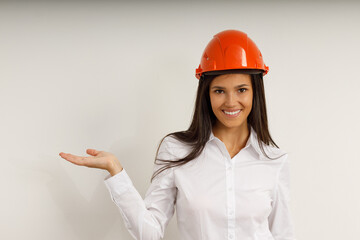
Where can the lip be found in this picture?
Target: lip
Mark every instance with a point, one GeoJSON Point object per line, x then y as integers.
{"type": "Point", "coordinates": [232, 116]}
{"type": "Point", "coordinates": [231, 110]}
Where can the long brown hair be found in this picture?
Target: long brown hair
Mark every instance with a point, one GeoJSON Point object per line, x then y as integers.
{"type": "Point", "coordinates": [197, 135]}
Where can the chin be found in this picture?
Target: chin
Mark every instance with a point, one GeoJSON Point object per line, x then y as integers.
{"type": "Point", "coordinates": [237, 125]}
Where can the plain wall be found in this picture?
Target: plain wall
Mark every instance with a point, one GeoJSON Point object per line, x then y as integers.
{"type": "Point", "coordinates": [118, 76]}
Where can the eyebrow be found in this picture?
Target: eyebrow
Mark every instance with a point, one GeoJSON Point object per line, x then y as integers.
{"type": "Point", "coordinates": [238, 86]}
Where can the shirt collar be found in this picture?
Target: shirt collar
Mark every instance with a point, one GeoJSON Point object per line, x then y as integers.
{"type": "Point", "coordinates": [252, 140]}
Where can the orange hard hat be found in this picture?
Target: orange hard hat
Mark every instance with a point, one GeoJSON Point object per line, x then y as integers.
{"type": "Point", "coordinates": [228, 51]}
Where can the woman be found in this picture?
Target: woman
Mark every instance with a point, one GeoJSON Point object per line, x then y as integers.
{"type": "Point", "coordinates": [225, 175]}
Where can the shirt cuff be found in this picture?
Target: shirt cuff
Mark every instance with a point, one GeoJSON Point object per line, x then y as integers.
{"type": "Point", "coordinates": [118, 184]}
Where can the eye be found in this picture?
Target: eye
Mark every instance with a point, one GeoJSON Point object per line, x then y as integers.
{"type": "Point", "coordinates": [242, 89]}
{"type": "Point", "coordinates": [217, 91]}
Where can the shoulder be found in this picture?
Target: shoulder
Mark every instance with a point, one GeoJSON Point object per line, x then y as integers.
{"type": "Point", "coordinates": [274, 152]}
{"type": "Point", "coordinates": [269, 149]}
{"type": "Point", "coordinates": [170, 144]}
{"type": "Point", "coordinates": [171, 140]}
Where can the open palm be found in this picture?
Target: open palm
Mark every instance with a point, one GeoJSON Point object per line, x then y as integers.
{"type": "Point", "coordinates": [98, 159]}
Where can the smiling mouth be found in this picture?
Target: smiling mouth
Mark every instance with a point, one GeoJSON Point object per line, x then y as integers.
{"type": "Point", "coordinates": [232, 113]}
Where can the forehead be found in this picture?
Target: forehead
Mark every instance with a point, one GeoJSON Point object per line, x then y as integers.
{"type": "Point", "coordinates": [232, 79]}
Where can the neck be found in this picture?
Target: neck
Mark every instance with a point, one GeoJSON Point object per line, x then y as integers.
{"type": "Point", "coordinates": [232, 137]}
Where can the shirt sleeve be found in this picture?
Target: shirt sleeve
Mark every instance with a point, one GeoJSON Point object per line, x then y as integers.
{"type": "Point", "coordinates": [147, 218]}
{"type": "Point", "coordinates": [280, 219]}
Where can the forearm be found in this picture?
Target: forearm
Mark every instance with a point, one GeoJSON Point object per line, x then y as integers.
{"type": "Point", "coordinates": [114, 167]}
{"type": "Point", "coordinates": [114, 171]}
{"type": "Point", "coordinates": [143, 219]}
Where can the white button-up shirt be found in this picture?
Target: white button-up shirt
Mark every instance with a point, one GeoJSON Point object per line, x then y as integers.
{"type": "Point", "coordinates": [216, 197]}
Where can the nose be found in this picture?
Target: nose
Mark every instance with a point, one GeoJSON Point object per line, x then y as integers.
{"type": "Point", "coordinates": [230, 100]}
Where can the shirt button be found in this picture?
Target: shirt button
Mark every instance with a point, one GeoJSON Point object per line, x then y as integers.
{"type": "Point", "coordinates": [229, 188]}
{"type": "Point", "coordinates": [231, 236]}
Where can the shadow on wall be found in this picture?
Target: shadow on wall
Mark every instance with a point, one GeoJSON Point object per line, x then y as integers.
{"type": "Point", "coordinates": [82, 218]}
{"type": "Point", "coordinates": [88, 219]}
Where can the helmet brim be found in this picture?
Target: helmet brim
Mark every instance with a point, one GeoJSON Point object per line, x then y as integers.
{"type": "Point", "coordinates": [228, 71]}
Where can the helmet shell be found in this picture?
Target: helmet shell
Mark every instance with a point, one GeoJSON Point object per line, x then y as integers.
{"type": "Point", "coordinates": [231, 50]}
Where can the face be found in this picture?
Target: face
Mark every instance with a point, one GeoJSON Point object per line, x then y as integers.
{"type": "Point", "coordinates": [231, 98]}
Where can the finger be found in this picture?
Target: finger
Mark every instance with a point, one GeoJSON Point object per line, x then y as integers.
{"type": "Point", "coordinates": [81, 161]}
{"type": "Point", "coordinates": [92, 152]}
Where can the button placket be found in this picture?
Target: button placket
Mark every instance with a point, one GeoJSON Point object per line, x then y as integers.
{"type": "Point", "coordinates": [230, 197]}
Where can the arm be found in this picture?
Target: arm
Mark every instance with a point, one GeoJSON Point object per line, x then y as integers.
{"type": "Point", "coordinates": [280, 221]}
{"type": "Point", "coordinates": [145, 219]}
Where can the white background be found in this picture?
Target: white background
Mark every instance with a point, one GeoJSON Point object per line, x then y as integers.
{"type": "Point", "coordinates": [119, 76]}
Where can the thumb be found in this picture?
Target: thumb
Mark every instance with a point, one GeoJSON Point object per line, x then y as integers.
{"type": "Point", "coordinates": [92, 152]}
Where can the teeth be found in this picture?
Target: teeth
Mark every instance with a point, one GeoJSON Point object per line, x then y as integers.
{"type": "Point", "coordinates": [232, 113]}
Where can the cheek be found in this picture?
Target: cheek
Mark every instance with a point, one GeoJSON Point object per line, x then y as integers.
{"type": "Point", "coordinates": [248, 101]}
{"type": "Point", "coordinates": [214, 102]}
